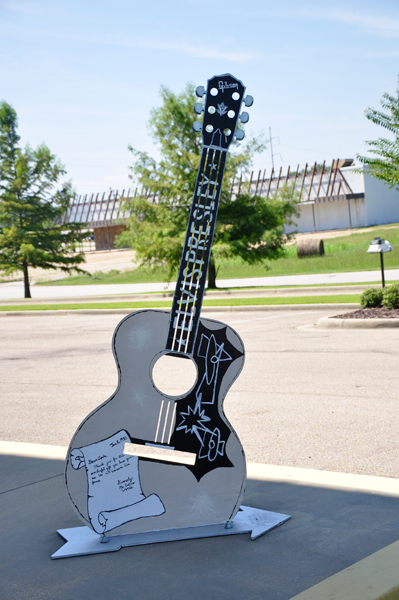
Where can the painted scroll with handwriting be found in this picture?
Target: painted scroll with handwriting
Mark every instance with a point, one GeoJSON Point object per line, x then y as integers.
{"type": "Point", "coordinates": [114, 492]}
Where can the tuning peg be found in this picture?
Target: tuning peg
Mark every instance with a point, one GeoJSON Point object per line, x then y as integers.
{"type": "Point", "coordinates": [244, 117]}
{"type": "Point", "coordinates": [200, 91]}
{"type": "Point", "coordinates": [197, 126]}
{"type": "Point", "coordinates": [198, 108]}
{"type": "Point", "coordinates": [248, 100]}
{"type": "Point", "coordinates": [240, 134]}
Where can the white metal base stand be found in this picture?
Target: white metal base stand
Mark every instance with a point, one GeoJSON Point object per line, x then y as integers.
{"type": "Point", "coordinates": [83, 540]}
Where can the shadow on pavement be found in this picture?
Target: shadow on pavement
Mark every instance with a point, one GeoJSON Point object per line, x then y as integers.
{"type": "Point", "coordinates": [330, 529]}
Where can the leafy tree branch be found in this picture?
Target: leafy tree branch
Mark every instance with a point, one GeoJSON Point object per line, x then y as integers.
{"type": "Point", "coordinates": [384, 162]}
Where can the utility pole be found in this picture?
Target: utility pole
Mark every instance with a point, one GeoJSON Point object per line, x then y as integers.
{"type": "Point", "coordinates": [271, 146]}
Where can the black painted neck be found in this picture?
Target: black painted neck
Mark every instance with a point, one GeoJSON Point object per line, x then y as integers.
{"type": "Point", "coordinates": [190, 287]}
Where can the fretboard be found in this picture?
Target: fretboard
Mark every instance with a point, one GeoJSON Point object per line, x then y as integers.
{"type": "Point", "coordinates": [194, 264]}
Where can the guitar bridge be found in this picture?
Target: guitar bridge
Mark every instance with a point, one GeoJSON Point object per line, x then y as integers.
{"type": "Point", "coordinates": [159, 452]}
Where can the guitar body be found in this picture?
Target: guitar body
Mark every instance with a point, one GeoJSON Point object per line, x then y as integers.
{"type": "Point", "coordinates": [113, 491]}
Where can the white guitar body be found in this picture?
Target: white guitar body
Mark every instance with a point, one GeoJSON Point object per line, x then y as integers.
{"type": "Point", "coordinates": [114, 491]}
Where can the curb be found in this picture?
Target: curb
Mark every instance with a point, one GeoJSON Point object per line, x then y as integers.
{"type": "Point", "coordinates": [127, 311]}
{"type": "Point", "coordinates": [373, 578]}
{"type": "Point", "coordinates": [333, 323]}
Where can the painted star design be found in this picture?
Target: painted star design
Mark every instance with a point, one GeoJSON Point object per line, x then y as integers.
{"type": "Point", "coordinates": [139, 397]}
{"type": "Point", "coordinates": [193, 422]}
{"type": "Point", "coordinates": [139, 337]}
{"type": "Point", "coordinates": [202, 503]}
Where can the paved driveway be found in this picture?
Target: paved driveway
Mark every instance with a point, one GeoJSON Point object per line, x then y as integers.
{"type": "Point", "coordinates": [321, 399]}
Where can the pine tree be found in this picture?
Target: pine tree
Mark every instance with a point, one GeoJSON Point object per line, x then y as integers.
{"type": "Point", "coordinates": [386, 164]}
{"type": "Point", "coordinates": [31, 207]}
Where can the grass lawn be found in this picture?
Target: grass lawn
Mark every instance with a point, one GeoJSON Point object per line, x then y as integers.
{"type": "Point", "coordinates": [342, 254]}
{"type": "Point", "coordinates": [344, 298]}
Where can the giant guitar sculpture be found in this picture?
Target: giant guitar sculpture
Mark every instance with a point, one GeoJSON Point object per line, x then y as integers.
{"type": "Point", "coordinates": [144, 461]}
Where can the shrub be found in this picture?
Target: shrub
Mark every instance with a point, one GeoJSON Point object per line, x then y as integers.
{"type": "Point", "coordinates": [371, 298]}
{"type": "Point", "coordinates": [390, 296]}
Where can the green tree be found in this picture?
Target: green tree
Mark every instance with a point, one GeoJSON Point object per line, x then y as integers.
{"type": "Point", "coordinates": [31, 207]}
{"type": "Point", "coordinates": [386, 164]}
{"type": "Point", "coordinates": [248, 227]}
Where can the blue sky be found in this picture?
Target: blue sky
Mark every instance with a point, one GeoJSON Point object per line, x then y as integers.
{"type": "Point", "coordinates": [83, 75]}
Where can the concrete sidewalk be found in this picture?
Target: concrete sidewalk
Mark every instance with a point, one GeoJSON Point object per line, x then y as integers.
{"type": "Point", "coordinates": [337, 520]}
{"type": "Point", "coordinates": [15, 290]}
{"type": "Point", "coordinates": [282, 292]}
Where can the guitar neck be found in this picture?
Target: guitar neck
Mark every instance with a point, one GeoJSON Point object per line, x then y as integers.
{"type": "Point", "coordinates": [191, 281]}
{"type": "Point", "coordinates": [221, 113]}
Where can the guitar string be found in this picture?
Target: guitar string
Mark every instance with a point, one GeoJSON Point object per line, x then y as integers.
{"type": "Point", "coordinates": [162, 422]}
{"type": "Point", "coordinates": [206, 159]}
{"type": "Point", "coordinates": [212, 158]}
{"type": "Point", "coordinates": [203, 164]}
{"type": "Point", "coordinates": [206, 209]}
{"type": "Point", "coordinates": [208, 206]}
{"type": "Point", "coordinates": [172, 423]}
{"type": "Point", "coordinates": [206, 249]}
{"type": "Point", "coordinates": [159, 421]}
{"type": "Point", "coordinates": [204, 252]}
{"type": "Point", "coordinates": [190, 240]}
{"type": "Point", "coordinates": [210, 227]}
{"type": "Point", "coordinates": [197, 226]}
{"type": "Point", "coordinates": [165, 421]}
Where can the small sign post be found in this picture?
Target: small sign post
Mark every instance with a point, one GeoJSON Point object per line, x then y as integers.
{"type": "Point", "coordinates": [378, 245]}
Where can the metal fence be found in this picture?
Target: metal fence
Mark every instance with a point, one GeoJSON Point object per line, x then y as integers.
{"type": "Point", "coordinates": [312, 182]}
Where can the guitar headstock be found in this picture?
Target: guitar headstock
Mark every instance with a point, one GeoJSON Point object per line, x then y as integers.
{"type": "Point", "coordinates": [224, 96]}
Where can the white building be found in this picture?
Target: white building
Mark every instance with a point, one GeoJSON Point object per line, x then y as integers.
{"type": "Point", "coordinates": [362, 201]}
{"type": "Point", "coordinates": [335, 197]}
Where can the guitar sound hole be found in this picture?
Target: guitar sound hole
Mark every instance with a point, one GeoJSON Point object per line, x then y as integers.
{"type": "Point", "coordinates": [174, 375]}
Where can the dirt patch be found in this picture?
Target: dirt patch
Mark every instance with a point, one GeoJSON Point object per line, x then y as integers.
{"type": "Point", "coordinates": [333, 233]}
{"type": "Point", "coordinates": [371, 313]}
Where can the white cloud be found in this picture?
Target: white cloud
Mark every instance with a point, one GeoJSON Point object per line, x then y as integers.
{"type": "Point", "coordinates": [199, 50]}
{"type": "Point", "coordinates": [380, 24]}
{"type": "Point", "coordinates": [384, 26]}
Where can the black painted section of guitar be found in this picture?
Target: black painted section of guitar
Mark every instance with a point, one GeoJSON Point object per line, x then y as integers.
{"type": "Point", "coordinates": [199, 427]}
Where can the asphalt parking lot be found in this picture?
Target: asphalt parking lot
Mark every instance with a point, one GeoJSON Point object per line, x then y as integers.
{"type": "Point", "coordinates": [322, 399]}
